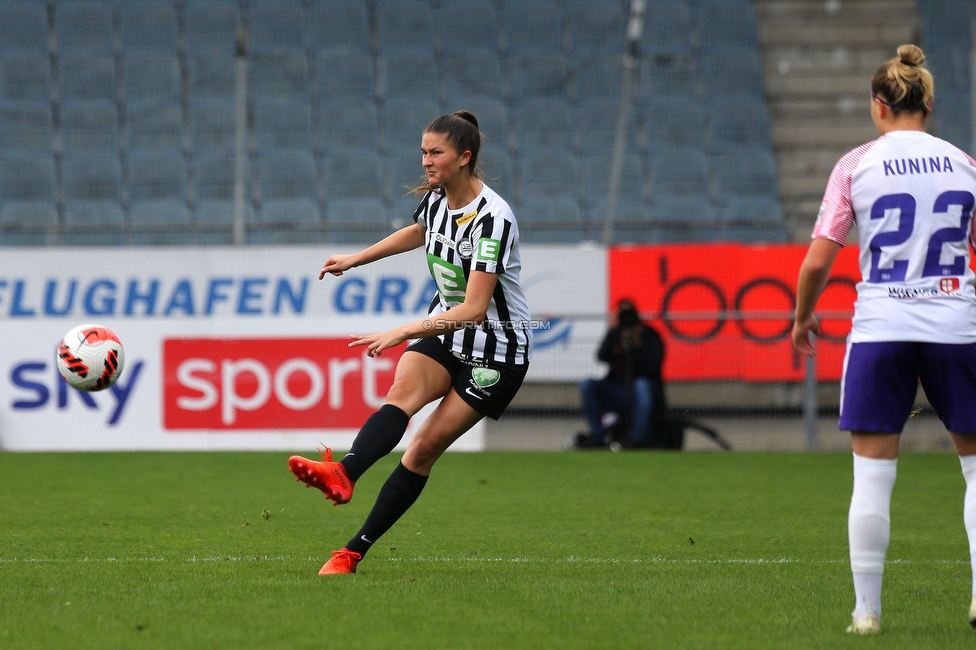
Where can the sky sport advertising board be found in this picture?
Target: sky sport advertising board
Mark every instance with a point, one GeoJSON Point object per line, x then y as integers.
{"type": "Point", "coordinates": [245, 349]}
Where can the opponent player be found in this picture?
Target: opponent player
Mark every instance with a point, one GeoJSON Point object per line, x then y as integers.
{"type": "Point", "coordinates": [472, 350]}
{"type": "Point", "coordinates": [911, 197]}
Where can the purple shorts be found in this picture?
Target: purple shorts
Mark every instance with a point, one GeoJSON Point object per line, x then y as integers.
{"type": "Point", "coordinates": [881, 380]}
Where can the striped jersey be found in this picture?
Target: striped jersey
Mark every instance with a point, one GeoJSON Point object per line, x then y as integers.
{"type": "Point", "coordinates": [911, 197]}
{"type": "Point", "coordinates": [481, 236]}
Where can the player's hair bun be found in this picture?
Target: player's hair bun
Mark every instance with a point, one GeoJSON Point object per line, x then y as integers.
{"type": "Point", "coordinates": [911, 55]}
{"type": "Point", "coordinates": [468, 116]}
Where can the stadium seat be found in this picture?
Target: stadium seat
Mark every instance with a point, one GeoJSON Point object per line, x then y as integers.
{"type": "Point", "coordinates": [23, 29]}
{"type": "Point", "coordinates": [26, 129]}
{"type": "Point", "coordinates": [404, 121]}
{"type": "Point", "coordinates": [28, 180]}
{"type": "Point", "coordinates": [89, 128]}
{"type": "Point", "coordinates": [80, 218]}
{"type": "Point", "coordinates": [287, 175]}
{"type": "Point", "coordinates": [212, 74]}
{"type": "Point", "coordinates": [84, 27]}
{"type": "Point", "coordinates": [279, 74]}
{"type": "Point", "coordinates": [347, 126]}
{"type": "Point", "coordinates": [401, 172]}
{"type": "Point", "coordinates": [355, 213]}
{"type": "Point", "coordinates": [723, 25]}
{"type": "Point", "coordinates": [282, 235]}
{"type": "Point", "coordinates": [745, 173]}
{"type": "Point", "coordinates": [150, 78]}
{"type": "Point", "coordinates": [340, 26]}
{"type": "Point", "coordinates": [296, 211]}
{"type": "Point", "coordinates": [158, 189]}
{"type": "Point", "coordinates": [733, 71]}
{"type": "Point", "coordinates": [667, 27]}
{"type": "Point", "coordinates": [545, 176]}
{"type": "Point", "coordinates": [595, 170]}
{"type": "Point", "coordinates": [532, 27]}
{"type": "Point", "coordinates": [400, 210]}
{"type": "Point", "coordinates": [214, 182]}
{"type": "Point", "coordinates": [213, 126]}
{"type": "Point", "coordinates": [740, 122]}
{"type": "Point", "coordinates": [465, 28]}
{"type": "Point", "coordinates": [538, 75]}
{"type": "Point", "coordinates": [282, 124]}
{"type": "Point", "coordinates": [673, 121]}
{"type": "Point", "coordinates": [154, 128]}
{"type": "Point", "coordinates": [694, 212]}
{"type": "Point", "coordinates": [467, 73]}
{"type": "Point", "coordinates": [544, 125]}
{"type": "Point", "coordinates": [666, 73]}
{"type": "Point", "coordinates": [345, 77]}
{"type": "Point", "coordinates": [596, 124]}
{"type": "Point", "coordinates": [86, 77]}
{"type": "Point", "coordinates": [600, 74]}
{"type": "Point", "coordinates": [763, 209]}
{"type": "Point", "coordinates": [544, 220]}
{"type": "Point", "coordinates": [491, 113]}
{"type": "Point", "coordinates": [149, 25]}
{"type": "Point", "coordinates": [28, 215]}
{"type": "Point", "coordinates": [276, 26]}
{"type": "Point", "coordinates": [679, 171]}
{"type": "Point", "coordinates": [25, 78]}
{"type": "Point", "coordinates": [353, 175]}
{"type": "Point", "coordinates": [627, 215]}
{"type": "Point", "coordinates": [407, 74]}
{"type": "Point", "coordinates": [498, 171]}
{"type": "Point", "coordinates": [212, 25]}
{"type": "Point", "coordinates": [404, 26]}
{"type": "Point", "coordinates": [89, 178]}
{"type": "Point", "coordinates": [596, 26]}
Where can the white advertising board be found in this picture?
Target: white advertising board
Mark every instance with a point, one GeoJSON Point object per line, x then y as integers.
{"type": "Point", "coordinates": [241, 348]}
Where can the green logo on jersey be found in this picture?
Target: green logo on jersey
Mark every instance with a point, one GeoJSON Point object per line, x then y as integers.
{"type": "Point", "coordinates": [488, 249]}
{"type": "Point", "coordinates": [449, 279]}
{"type": "Point", "coordinates": [485, 377]}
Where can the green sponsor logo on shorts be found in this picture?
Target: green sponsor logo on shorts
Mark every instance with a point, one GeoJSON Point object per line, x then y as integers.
{"type": "Point", "coordinates": [485, 377]}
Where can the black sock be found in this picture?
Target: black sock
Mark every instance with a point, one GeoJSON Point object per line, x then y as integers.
{"type": "Point", "coordinates": [395, 498]}
{"type": "Point", "coordinates": [381, 433]}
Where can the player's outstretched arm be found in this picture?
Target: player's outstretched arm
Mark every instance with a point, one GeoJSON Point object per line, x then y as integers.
{"type": "Point", "coordinates": [814, 273]}
{"type": "Point", "coordinates": [403, 240]}
{"type": "Point", "coordinates": [477, 298]}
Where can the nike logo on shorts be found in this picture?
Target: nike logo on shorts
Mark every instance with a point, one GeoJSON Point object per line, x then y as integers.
{"type": "Point", "coordinates": [472, 394]}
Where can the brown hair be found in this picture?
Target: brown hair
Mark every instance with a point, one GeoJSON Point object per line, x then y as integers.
{"type": "Point", "coordinates": [461, 131]}
{"type": "Point", "coordinates": [903, 83]}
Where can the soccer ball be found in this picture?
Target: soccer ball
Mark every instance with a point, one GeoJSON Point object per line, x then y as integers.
{"type": "Point", "coordinates": [90, 357]}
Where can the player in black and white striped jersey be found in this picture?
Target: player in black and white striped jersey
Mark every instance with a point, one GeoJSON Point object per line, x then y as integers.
{"type": "Point", "coordinates": [472, 350]}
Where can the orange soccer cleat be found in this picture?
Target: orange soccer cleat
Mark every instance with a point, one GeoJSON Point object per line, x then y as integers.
{"type": "Point", "coordinates": [327, 476]}
{"type": "Point", "coordinates": [343, 561]}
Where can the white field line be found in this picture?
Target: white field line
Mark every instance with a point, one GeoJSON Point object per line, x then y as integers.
{"type": "Point", "coordinates": [459, 560]}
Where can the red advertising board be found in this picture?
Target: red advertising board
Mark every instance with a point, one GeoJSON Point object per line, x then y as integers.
{"type": "Point", "coordinates": [725, 311]}
{"type": "Point", "coordinates": [272, 383]}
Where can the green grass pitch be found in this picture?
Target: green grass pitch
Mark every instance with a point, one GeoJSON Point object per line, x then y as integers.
{"type": "Point", "coordinates": [503, 550]}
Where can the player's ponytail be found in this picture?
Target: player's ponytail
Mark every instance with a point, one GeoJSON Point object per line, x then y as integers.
{"type": "Point", "coordinates": [903, 83]}
{"type": "Point", "coordinates": [461, 131]}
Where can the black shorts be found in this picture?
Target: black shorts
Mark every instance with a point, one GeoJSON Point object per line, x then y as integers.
{"type": "Point", "coordinates": [487, 386]}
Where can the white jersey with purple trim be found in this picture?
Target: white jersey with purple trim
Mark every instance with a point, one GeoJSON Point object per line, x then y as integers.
{"type": "Point", "coordinates": [481, 236]}
{"type": "Point", "coordinates": [911, 196]}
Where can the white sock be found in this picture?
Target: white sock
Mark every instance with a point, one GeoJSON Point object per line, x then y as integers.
{"type": "Point", "coordinates": [968, 464]}
{"type": "Point", "coordinates": [869, 529]}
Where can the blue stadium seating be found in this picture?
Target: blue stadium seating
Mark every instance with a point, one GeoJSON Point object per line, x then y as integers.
{"type": "Point", "coordinates": [340, 26]}
{"type": "Point", "coordinates": [338, 83]}
{"type": "Point", "coordinates": [84, 27]}
{"type": "Point", "coordinates": [212, 25]}
{"type": "Point", "coordinates": [947, 42]}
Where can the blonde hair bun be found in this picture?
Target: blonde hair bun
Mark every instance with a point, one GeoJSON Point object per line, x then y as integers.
{"type": "Point", "coordinates": [911, 55]}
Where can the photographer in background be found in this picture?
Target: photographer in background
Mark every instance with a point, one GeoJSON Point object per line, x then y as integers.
{"type": "Point", "coordinates": [634, 352]}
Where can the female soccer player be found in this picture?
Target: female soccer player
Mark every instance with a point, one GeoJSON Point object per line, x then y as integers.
{"type": "Point", "coordinates": [911, 197]}
{"type": "Point", "coordinates": [472, 350]}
